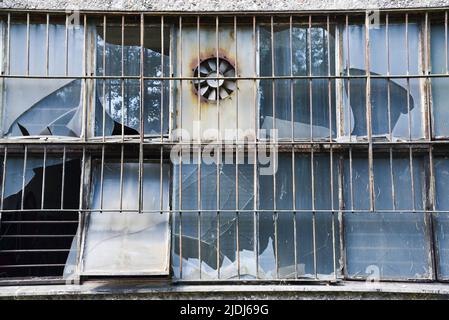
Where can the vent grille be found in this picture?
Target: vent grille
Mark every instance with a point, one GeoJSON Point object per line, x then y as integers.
{"type": "Point", "coordinates": [214, 83]}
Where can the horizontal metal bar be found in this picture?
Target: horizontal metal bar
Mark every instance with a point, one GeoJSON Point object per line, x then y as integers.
{"type": "Point", "coordinates": [280, 77]}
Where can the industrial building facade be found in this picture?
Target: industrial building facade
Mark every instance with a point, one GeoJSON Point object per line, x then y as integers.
{"type": "Point", "coordinates": [224, 148]}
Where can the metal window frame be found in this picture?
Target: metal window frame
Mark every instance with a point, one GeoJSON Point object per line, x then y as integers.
{"type": "Point", "coordinates": [163, 144]}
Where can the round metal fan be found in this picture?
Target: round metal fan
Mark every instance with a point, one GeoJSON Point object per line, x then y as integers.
{"type": "Point", "coordinates": [212, 84]}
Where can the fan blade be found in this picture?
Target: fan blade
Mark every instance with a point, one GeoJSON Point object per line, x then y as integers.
{"type": "Point", "coordinates": [203, 90]}
{"type": "Point", "coordinates": [224, 66]}
{"type": "Point", "coordinates": [212, 64]}
{"type": "Point", "coordinates": [203, 70]}
{"type": "Point", "coordinates": [223, 93]}
{"type": "Point", "coordinates": [230, 73]}
{"type": "Point", "coordinates": [230, 85]}
{"type": "Point", "coordinates": [212, 95]}
{"type": "Point", "coordinates": [200, 81]}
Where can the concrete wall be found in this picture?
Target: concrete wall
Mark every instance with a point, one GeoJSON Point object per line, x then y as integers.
{"type": "Point", "coordinates": [218, 5]}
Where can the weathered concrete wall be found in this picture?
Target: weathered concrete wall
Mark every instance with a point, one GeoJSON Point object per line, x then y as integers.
{"type": "Point", "coordinates": [218, 5]}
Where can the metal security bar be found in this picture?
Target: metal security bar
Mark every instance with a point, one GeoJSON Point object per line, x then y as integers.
{"type": "Point", "coordinates": [348, 111]}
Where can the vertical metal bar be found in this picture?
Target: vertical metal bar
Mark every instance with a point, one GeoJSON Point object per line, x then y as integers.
{"type": "Point", "coordinates": [276, 218]}
{"type": "Point", "coordinates": [8, 45]}
{"type": "Point", "coordinates": [412, 180]}
{"type": "Point", "coordinates": [408, 79]}
{"type": "Point", "coordinates": [351, 179]}
{"type": "Point", "coordinates": [393, 192]}
{"type": "Point", "coordinates": [28, 45]}
{"type": "Point", "coordinates": [79, 240]}
{"type": "Point", "coordinates": [85, 89]}
{"type": "Point", "coordinates": [368, 112]}
{"type": "Point", "coordinates": [334, 244]}
{"type": "Point", "coordinates": [163, 75]}
{"type": "Point", "coordinates": [5, 159]}
{"type": "Point", "coordinates": [329, 81]}
{"type": "Point", "coordinates": [161, 181]}
{"type": "Point", "coordinates": [180, 121]}
{"type": "Point", "coordinates": [237, 138]}
{"type": "Point", "coordinates": [312, 171]}
{"type": "Point", "coordinates": [122, 154]}
{"type": "Point", "coordinates": [66, 46]}
{"type": "Point", "coordinates": [446, 41]}
{"type": "Point", "coordinates": [25, 159]}
{"type": "Point", "coordinates": [122, 80]}
{"type": "Point", "coordinates": [102, 179]}
{"type": "Point", "coordinates": [180, 211]}
{"type": "Point", "coordinates": [309, 52]}
{"type": "Point", "coordinates": [255, 173]}
{"type": "Point", "coordinates": [295, 244]}
{"type": "Point", "coordinates": [387, 40]}
{"type": "Point", "coordinates": [237, 207]}
{"type": "Point", "coordinates": [44, 169]}
{"type": "Point", "coordinates": [348, 68]}
{"type": "Point", "coordinates": [292, 113]}
{"type": "Point", "coordinates": [198, 38]}
{"type": "Point", "coordinates": [218, 210]}
{"type": "Point", "coordinates": [64, 156]}
{"type": "Point", "coordinates": [141, 110]}
{"type": "Point", "coordinates": [104, 74]}
{"type": "Point", "coordinates": [273, 90]}
{"type": "Point", "coordinates": [199, 206]}
{"type": "Point", "coordinates": [47, 45]}
{"type": "Point", "coordinates": [217, 47]}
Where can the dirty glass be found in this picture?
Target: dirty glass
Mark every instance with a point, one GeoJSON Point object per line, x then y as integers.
{"type": "Point", "coordinates": [386, 244]}
{"type": "Point", "coordinates": [34, 107]}
{"type": "Point", "coordinates": [129, 242]}
{"type": "Point", "coordinates": [395, 103]}
{"type": "Point", "coordinates": [315, 230]}
{"type": "Point", "coordinates": [313, 101]}
{"type": "Point", "coordinates": [118, 101]}
{"type": "Point", "coordinates": [210, 237]}
{"type": "Point", "coordinates": [440, 95]}
{"type": "Point", "coordinates": [27, 239]}
{"type": "Point", "coordinates": [441, 219]}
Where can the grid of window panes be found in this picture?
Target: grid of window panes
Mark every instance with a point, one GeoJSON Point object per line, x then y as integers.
{"type": "Point", "coordinates": [94, 107]}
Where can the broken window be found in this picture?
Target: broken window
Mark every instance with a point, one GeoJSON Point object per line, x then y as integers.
{"type": "Point", "coordinates": [37, 228]}
{"type": "Point", "coordinates": [439, 65]}
{"type": "Point", "coordinates": [49, 107]}
{"type": "Point", "coordinates": [119, 101]}
{"type": "Point", "coordinates": [396, 110]}
{"type": "Point", "coordinates": [120, 240]}
{"type": "Point", "coordinates": [299, 108]}
{"type": "Point", "coordinates": [391, 243]}
{"type": "Point", "coordinates": [253, 244]}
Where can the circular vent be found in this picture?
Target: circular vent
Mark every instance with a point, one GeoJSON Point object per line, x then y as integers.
{"type": "Point", "coordinates": [213, 84]}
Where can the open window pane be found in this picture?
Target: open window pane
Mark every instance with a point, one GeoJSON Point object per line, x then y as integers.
{"type": "Point", "coordinates": [38, 243]}
{"type": "Point", "coordinates": [129, 242]}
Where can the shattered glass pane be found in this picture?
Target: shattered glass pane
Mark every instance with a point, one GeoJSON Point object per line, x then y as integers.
{"type": "Point", "coordinates": [115, 95]}
{"type": "Point", "coordinates": [440, 93]}
{"type": "Point", "coordinates": [312, 101]}
{"type": "Point", "coordinates": [127, 243]}
{"type": "Point", "coordinates": [395, 103]}
{"type": "Point", "coordinates": [202, 231]}
{"type": "Point", "coordinates": [36, 107]}
{"type": "Point", "coordinates": [27, 238]}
